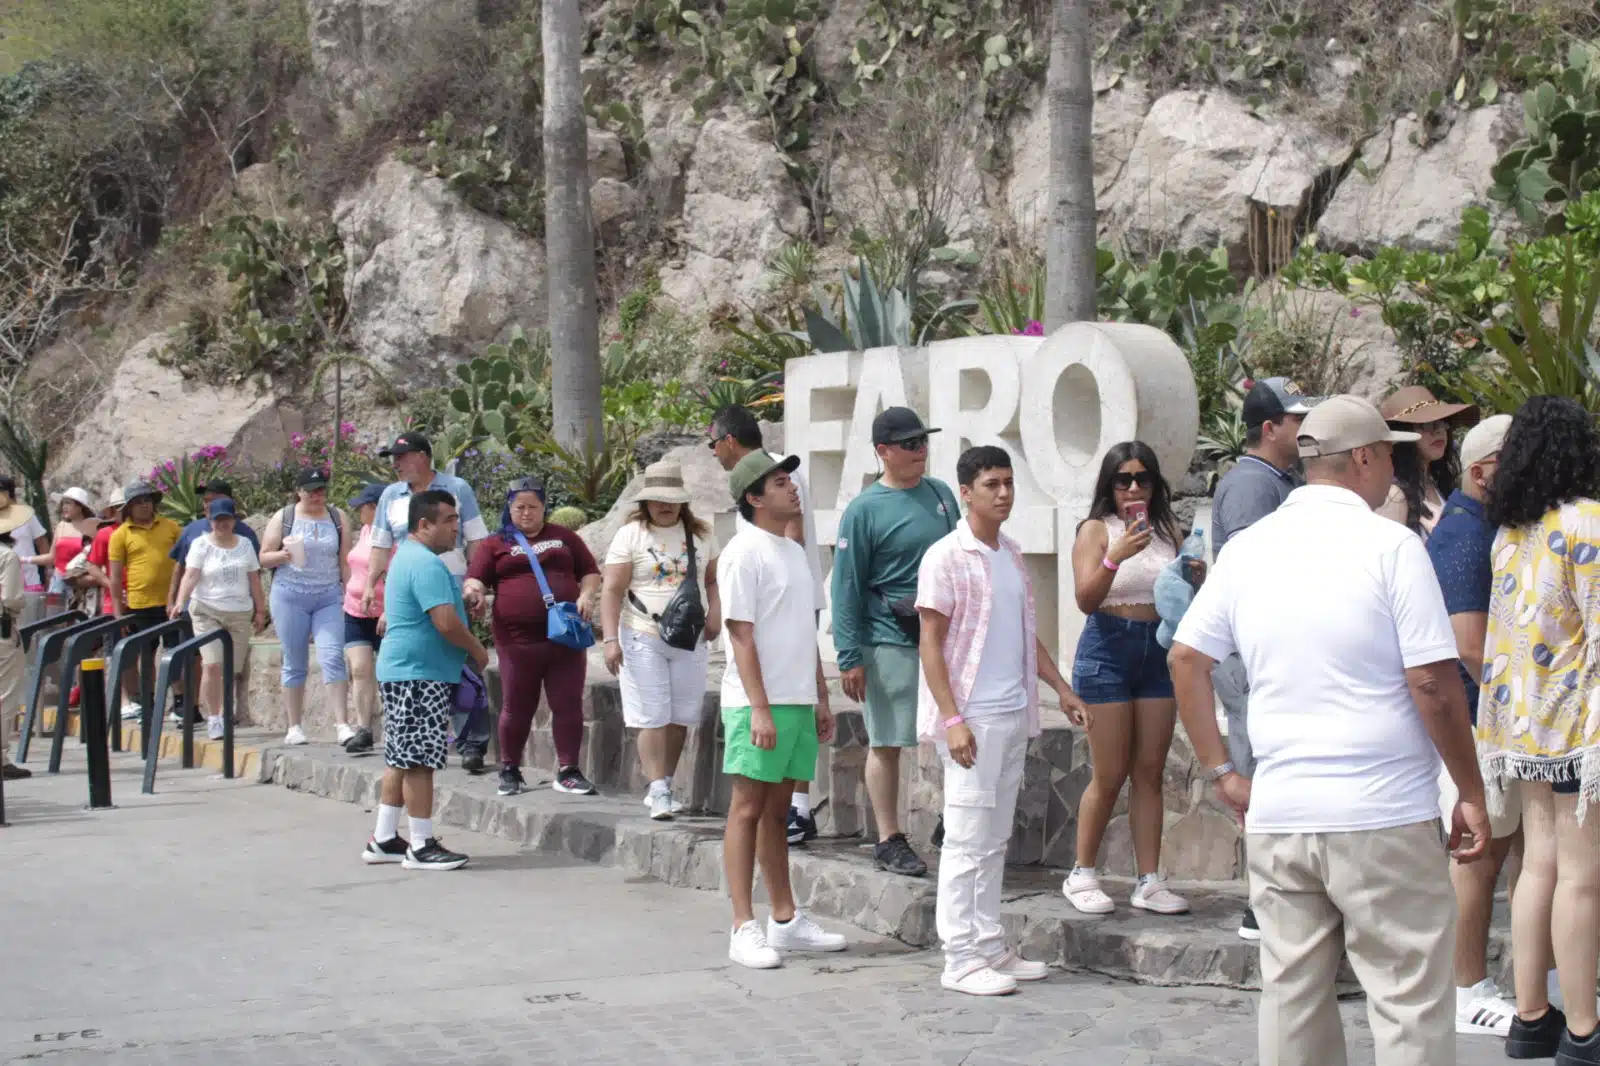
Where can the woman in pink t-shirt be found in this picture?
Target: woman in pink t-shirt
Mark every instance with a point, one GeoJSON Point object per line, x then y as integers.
{"type": "Point", "coordinates": [361, 633]}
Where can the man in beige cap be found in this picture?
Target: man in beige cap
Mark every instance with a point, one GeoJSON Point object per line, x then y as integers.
{"type": "Point", "coordinates": [1354, 697]}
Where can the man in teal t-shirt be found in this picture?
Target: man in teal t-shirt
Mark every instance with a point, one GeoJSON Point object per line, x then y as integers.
{"type": "Point", "coordinates": [882, 537]}
{"type": "Point", "coordinates": [425, 645]}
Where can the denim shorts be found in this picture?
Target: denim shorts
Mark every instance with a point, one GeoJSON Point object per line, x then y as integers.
{"type": "Point", "coordinates": [361, 632]}
{"type": "Point", "coordinates": [1119, 661]}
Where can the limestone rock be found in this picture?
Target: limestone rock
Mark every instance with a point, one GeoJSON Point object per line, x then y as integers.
{"type": "Point", "coordinates": [150, 412]}
{"type": "Point", "coordinates": [740, 207]}
{"type": "Point", "coordinates": [1118, 114]}
{"type": "Point", "coordinates": [1415, 196]}
{"type": "Point", "coordinates": [429, 279]}
{"type": "Point", "coordinates": [835, 38]}
{"type": "Point", "coordinates": [1204, 170]}
{"type": "Point", "coordinates": [360, 48]}
{"type": "Point", "coordinates": [612, 203]}
{"type": "Point", "coordinates": [605, 156]}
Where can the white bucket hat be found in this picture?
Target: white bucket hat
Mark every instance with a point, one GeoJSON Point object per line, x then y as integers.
{"type": "Point", "coordinates": [80, 497]}
{"type": "Point", "coordinates": [663, 483]}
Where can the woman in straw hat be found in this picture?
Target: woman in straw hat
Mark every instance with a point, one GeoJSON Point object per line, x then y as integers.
{"type": "Point", "coordinates": [1427, 472]}
{"type": "Point", "coordinates": [663, 687]}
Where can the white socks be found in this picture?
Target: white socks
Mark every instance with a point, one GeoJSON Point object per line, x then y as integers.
{"type": "Point", "coordinates": [801, 802]}
{"type": "Point", "coordinates": [421, 831]}
{"type": "Point", "coordinates": [388, 823]}
{"type": "Point", "coordinates": [660, 784]}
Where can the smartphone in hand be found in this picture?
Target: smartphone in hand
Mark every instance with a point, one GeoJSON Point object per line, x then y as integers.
{"type": "Point", "coordinates": [1138, 514]}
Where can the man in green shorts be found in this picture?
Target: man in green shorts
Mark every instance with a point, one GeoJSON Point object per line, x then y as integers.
{"type": "Point", "coordinates": [774, 707]}
{"type": "Point", "coordinates": [882, 537]}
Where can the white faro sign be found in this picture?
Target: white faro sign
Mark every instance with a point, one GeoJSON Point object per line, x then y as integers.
{"type": "Point", "coordinates": [1056, 403]}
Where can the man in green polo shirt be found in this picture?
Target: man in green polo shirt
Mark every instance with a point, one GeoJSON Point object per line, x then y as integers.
{"type": "Point", "coordinates": [882, 537]}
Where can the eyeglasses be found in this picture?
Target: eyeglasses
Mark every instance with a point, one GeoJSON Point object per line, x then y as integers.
{"type": "Point", "coordinates": [915, 444]}
{"type": "Point", "coordinates": [714, 441]}
{"type": "Point", "coordinates": [1124, 481]}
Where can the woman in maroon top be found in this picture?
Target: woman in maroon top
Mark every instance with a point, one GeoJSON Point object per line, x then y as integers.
{"type": "Point", "coordinates": [529, 660]}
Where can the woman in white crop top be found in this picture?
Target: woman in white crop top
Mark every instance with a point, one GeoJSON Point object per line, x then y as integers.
{"type": "Point", "coordinates": [1121, 671]}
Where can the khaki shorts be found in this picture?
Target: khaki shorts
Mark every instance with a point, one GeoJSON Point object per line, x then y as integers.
{"type": "Point", "coordinates": [1500, 825]}
{"type": "Point", "coordinates": [237, 623]}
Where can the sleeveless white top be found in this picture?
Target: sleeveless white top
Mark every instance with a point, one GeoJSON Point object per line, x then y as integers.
{"type": "Point", "coordinates": [1135, 580]}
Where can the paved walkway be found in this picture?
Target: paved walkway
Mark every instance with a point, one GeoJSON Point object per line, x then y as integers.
{"type": "Point", "coordinates": [228, 921]}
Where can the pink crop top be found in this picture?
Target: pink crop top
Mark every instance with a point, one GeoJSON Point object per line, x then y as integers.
{"type": "Point", "coordinates": [1135, 581]}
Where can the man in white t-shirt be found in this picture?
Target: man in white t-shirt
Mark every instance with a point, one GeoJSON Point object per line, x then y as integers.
{"type": "Point", "coordinates": [774, 706]}
{"type": "Point", "coordinates": [1354, 697]}
{"type": "Point", "coordinates": [736, 433]}
{"type": "Point", "coordinates": [978, 700]}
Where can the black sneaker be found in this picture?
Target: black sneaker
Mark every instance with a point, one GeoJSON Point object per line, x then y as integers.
{"type": "Point", "coordinates": [433, 856]}
{"type": "Point", "coordinates": [1536, 1040]}
{"type": "Point", "coordinates": [391, 850]}
{"type": "Point", "coordinates": [12, 772]}
{"type": "Point", "coordinates": [472, 762]}
{"type": "Point", "coordinates": [360, 744]}
{"type": "Point", "coordinates": [938, 834]}
{"type": "Point", "coordinates": [570, 779]}
{"type": "Point", "coordinates": [1578, 1052]}
{"type": "Point", "coordinates": [896, 856]}
{"type": "Point", "coordinates": [802, 827]}
{"type": "Point", "coordinates": [1248, 929]}
{"type": "Point", "coordinates": [511, 781]}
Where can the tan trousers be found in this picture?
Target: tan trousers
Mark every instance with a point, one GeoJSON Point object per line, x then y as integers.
{"type": "Point", "coordinates": [13, 667]}
{"type": "Point", "coordinates": [1382, 896]}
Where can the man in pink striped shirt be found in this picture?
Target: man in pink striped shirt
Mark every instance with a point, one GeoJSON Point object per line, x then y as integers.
{"type": "Point", "coordinates": [979, 701]}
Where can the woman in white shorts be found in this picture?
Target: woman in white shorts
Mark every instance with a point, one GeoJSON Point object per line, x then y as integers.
{"type": "Point", "coordinates": [663, 688]}
{"type": "Point", "coordinates": [223, 579]}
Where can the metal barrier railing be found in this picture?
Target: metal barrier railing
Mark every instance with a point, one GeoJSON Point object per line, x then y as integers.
{"type": "Point", "coordinates": [142, 644]}
{"type": "Point", "coordinates": [83, 638]}
{"type": "Point", "coordinates": [44, 653]}
{"type": "Point", "coordinates": [185, 657]}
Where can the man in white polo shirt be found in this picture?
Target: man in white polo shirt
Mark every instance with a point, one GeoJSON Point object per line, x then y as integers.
{"type": "Point", "coordinates": [1354, 697]}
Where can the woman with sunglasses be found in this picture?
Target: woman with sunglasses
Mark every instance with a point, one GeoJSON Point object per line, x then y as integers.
{"type": "Point", "coordinates": [530, 662]}
{"type": "Point", "coordinates": [1427, 472]}
{"type": "Point", "coordinates": [1121, 671]}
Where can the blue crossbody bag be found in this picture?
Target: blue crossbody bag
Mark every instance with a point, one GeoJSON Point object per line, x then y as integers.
{"type": "Point", "coordinates": [565, 626]}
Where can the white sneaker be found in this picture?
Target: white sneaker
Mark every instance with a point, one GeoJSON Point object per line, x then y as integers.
{"type": "Point", "coordinates": [677, 804]}
{"type": "Point", "coordinates": [1083, 891]}
{"type": "Point", "coordinates": [295, 735]}
{"type": "Point", "coordinates": [131, 712]}
{"type": "Point", "coordinates": [982, 981]}
{"type": "Point", "coordinates": [1481, 1011]}
{"type": "Point", "coordinates": [748, 947]}
{"type": "Point", "coordinates": [1152, 894]}
{"type": "Point", "coordinates": [342, 734]}
{"type": "Point", "coordinates": [1014, 966]}
{"type": "Point", "coordinates": [660, 806]}
{"type": "Point", "coordinates": [214, 727]}
{"type": "Point", "coordinates": [800, 933]}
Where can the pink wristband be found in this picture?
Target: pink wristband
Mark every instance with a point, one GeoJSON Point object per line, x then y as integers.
{"type": "Point", "coordinates": [953, 720]}
{"type": "Point", "coordinates": [1108, 564]}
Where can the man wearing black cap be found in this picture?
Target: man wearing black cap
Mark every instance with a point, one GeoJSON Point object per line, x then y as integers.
{"type": "Point", "coordinates": [413, 462]}
{"type": "Point", "coordinates": [883, 534]}
{"type": "Point", "coordinates": [1261, 480]}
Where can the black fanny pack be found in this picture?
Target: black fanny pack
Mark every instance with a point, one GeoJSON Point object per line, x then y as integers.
{"type": "Point", "coordinates": [904, 610]}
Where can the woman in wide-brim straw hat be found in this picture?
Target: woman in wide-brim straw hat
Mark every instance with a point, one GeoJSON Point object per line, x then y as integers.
{"type": "Point", "coordinates": [1427, 472]}
{"type": "Point", "coordinates": [663, 687]}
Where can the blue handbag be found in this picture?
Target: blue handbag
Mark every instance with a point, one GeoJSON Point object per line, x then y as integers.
{"type": "Point", "coordinates": [564, 625]}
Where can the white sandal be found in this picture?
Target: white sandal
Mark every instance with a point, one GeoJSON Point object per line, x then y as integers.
{"type": "Point", "coordinates": [1154, 896]}
{"type": "Point", "coordinates": [1083, 892]}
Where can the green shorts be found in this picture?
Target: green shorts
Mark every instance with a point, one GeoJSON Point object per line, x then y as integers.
{"type": "Point", "coordinates": [793, 758]}
{"type": "Point", "coordinates": [891, 704]}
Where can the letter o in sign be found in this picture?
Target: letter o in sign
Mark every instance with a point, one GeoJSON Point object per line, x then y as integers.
{"type": "Point", "coordinates": [1079, 398]}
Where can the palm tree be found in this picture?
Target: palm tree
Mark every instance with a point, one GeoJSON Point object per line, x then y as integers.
{"type": "Point", "coordinates": [1070, 242]}
{"type": "Point", "coordinates": [574, 320]}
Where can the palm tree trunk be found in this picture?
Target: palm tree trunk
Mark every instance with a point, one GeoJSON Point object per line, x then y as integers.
{"type": "Point", "coordinates": [574, 321]}
{"type": "Point", "coordinates": [1070, 242]}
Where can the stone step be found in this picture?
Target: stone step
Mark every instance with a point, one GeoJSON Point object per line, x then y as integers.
{"type": "Point", "coordinates": [835, 878]}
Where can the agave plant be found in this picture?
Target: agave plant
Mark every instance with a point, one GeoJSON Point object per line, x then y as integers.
{"type": "Point", "coordinates": [870, 317]}
{"type": "Point", "coordinates": [27, 455]}
{"type": "Point", "coordinates": [1223, 439]}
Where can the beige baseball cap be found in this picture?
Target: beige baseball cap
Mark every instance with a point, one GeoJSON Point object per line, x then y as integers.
{"type": "Point", "coordinates": [1485, 439]}
{"type": "Point", "coordinates": [1341, 423]}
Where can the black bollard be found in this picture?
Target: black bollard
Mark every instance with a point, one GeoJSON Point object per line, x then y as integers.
{"type": "Point", "coordinates": [92, 713]}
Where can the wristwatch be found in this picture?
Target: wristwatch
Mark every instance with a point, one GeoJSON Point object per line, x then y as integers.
{"type": "Point", "coordinates": [1217, 773]}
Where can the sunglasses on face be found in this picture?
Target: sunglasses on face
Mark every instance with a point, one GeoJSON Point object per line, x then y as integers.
{"type": "Point", "coordinates": [1128, 481]}
{"type": "Point", "coordinates": [714, 441]}
{"type": "Point", "coordinates": [915, 444]}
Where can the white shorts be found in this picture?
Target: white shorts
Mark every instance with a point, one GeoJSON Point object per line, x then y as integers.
{"type": "Point", "coordinates": [1500, 825]}
{"type": "Point", "coordinates": [661, 685]}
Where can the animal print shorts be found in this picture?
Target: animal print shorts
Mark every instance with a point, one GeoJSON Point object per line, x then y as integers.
{"type": "Point", "coordinates": [416, 718]}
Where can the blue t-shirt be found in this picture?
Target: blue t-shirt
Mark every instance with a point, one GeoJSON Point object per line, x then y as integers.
{"type": "Point", "coordinates": [1462, 549]}
{"type": "Point", "coordinates": [199, 528]}
{"type": "Point", "coordinates": [412, 649]}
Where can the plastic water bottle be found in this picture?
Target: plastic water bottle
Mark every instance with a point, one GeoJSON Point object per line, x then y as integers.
{"type": "Point", "coordinates": [1194, 545]}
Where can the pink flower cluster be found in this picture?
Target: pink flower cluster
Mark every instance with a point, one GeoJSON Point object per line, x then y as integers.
{"type": "Point", "coordinates": [1034, 328]}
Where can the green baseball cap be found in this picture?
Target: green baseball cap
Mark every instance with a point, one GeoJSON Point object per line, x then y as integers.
{"type": "Point", "coordinates": [755, 466]}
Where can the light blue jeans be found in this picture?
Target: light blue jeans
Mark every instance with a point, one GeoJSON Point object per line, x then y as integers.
{"type": "Point", "coordinates": [303, 615]}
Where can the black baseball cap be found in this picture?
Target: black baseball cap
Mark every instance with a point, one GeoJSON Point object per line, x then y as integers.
{"type": "Point", "coordinates": [1272, 398]}
{"type": "Point", "coordinates": [895, 424]}
{"type": "Point", "coordinates": [409, 441]}
{"type": "Point", "coordinates": [221, 488]}
{"type": "Point", "coordinates": [311, 478]}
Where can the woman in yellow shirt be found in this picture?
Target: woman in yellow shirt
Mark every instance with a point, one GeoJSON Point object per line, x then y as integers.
{"type": "Point", "coordinates": [1539, 713]}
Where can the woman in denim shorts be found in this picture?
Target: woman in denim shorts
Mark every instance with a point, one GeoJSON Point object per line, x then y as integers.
{"type": "Point", "coordinates": [1121, 671]}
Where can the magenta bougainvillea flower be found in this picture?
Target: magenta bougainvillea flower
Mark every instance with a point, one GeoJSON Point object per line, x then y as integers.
{"type": "Point", "coordinates": [1034, 328]}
